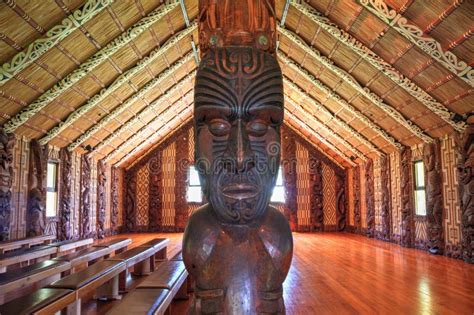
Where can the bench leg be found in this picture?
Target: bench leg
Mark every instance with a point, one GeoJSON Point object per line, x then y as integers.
{"type": "Point", "coordinates": [142, 268]}
{"type": "Point", "coordinates": [109, 290]}
{"type": "Point", "coordinates": [161, 255]}
{"type": "Point", "coordinates": [74, 308]}
{"type": "Point", "coordinates": [182, 293]}
{"type": "Point", "coordinates": [123, 277]}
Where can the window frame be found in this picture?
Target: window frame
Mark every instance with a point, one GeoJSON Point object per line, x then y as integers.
{"type": "Point", "coordinates": [417, 188]}
{"type": "Point", "coordinates": [54, 189]}
{"type": "Point", "coordinates": [280, 171]}
{"type": "Point", "coordinates": [193, 185]}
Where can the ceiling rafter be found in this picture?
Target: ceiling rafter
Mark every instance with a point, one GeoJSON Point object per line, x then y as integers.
{"type": "Point", "coordinates": [183, 117]}
{"type": "Point", "coordinates": [317, 106]}
{"type": "Point", "coordinates": [308, 115]}
{"type": "Point", "coordinates": [332, 94]}
{"type": "Point", "coordinates": [418, 38]}
{"type": "Point", "coordinates": [349, 79]}
{"type": "Point", "coordinates": [186, 21]}
{"type": "Point", "coordinates": [379, 63]}
{"type": "Point", "coordinates": [57, 33]}
{"type": "Point", "coordinates": [296, 123]}
{"type": "Point", "coordinates": [186, 80]}
{"type": "Point", "coordinates": [87, 66]}
{"type": "Point", "coordinates": [122, 79]}
{"type": "Point", "coordinates": [164, 75]}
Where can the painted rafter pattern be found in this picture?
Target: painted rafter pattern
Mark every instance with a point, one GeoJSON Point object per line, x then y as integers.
{"type": "Point", "coordinates": [349, 79]}
{"type": "Point", "coordinates": [318, 107]}
{"type": "Point", "coordinates": [377, 62]}
{"type": "Point", "coordinates": [154, 105]}
{"type": "Point", "coordinates": [293, 120]}
{"type": "Point", "coordinates": [417, 36]}
{"type": "Point", "coordinates": [122, 79]}
{"type": "Point", "coordinates": [295, 108]}
{"type": "Point", "coordinates": [87, 66]}
{"type": "Point", "coordinates": [163, 76]}
{"type": "Point", "coordinates": [333, 95]}
{"type": "Point", "coordinates": [57, 33]}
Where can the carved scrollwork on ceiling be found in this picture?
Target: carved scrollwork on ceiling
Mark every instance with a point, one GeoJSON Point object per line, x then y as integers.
{"type": "Point", "coordinates": [87, 66]}
{"type": "Point", "coordinates": [371, 57]}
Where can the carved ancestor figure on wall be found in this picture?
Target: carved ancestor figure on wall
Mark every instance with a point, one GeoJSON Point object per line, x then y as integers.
{"type": "Point", "coordinates": [237, 248]}
{"type": "Point", "coordinates": [101, 198]}
{"type": "Point", "coordinates": [316, 184]}
{"type": "Point", "coordinates": [35, 213]}
{"type": "Point", "coordinates": [7, 141]}
{"type": "Point", "coordinates": [66, 194]}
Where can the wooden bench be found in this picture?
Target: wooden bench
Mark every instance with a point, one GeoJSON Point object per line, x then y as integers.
{"type": "Point", "coordinates": [101, 278]}
{"type": "Point", "coordinates": [170, 275]}
{"type": "Point", "coordinates": [25, 277]}
{"type": "Point", "coordinates": [24, 255]}
{"type": "Point", "coordinates": [117, 245]}
{"type": "Point", "coordinates": [161, 246]}
{"type": "Point", "coordinates": [25, 242]}
{"type": "Point", "coordinates": [83, 256]}
{"type": "Point", "coordinates": [44, 301]}
{"type": "Point", "coordinates": [69, 245]}
{"type": "Point", "coordinates": [178, 256]}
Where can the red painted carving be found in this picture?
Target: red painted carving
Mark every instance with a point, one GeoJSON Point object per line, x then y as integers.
{"type": "Point", "coordinates": [248, 23]}
{"type": "Point", "coordinates": [85, 196]}
{"type": "Point", "coordinates": [386, 199]}
{"type": "Point", "coordinates": [407, 229]}
{"type": "Point", "coordinates": [65, 205]}
{"type": "Point", "coordinates": [340, 203]}
{"type": "Point", "coordinates": [35, 209]}
{"type": "Point", "coordinates": [369, 197]}
{"type": "Point", "coordinates": [101, 198]}
{"type": "Point", "coordinates": [466, 171]}
{"type": "Point", "coordinates": [316, 184]}
{"type": "Point", "coordinates": [7, 142]}
{"type": "Point", "coordinates": [114, 199]}
{"type": "Point", "coordinates": [356, 182]}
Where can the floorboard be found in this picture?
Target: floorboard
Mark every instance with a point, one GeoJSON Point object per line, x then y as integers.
{"type": "Point", "coordinates": [338, 273]}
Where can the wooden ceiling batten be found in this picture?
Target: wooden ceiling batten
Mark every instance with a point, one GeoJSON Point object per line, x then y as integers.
{"type": "Point", "coordinates": [154, 104]}
{"type": "Point", "coordinates": [423, 41]}
{"type": "Point", "coordinates": [349, 79]}
{"type": "Point", "coordinates": [376, 61]}
{"type": "Point", "coordinates": [331, 93]}
{"type": "Point", "coordinates": [87, 66]}
{"type": "Point", "coordinates": [58, 32]}
{"type": "Point", "coordinates": [125, 105]}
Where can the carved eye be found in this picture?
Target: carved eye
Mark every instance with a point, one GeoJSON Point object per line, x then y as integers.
{"type": "Point", "coordinates": [219, 127]}
{"type": "Point", "coordinates": [257, 128]}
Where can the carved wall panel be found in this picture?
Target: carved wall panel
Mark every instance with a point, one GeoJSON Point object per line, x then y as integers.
{"type": "Point", "coordinates": [406, 188]}
{"type": "Point", "coordinates": [36, 206]}
{"type": "Point", "coordinates": [466, 171]}
{"type": "Point", "coordinates": [168, 192]}
{"type": "Point", "coordinates": [363, 198]}
{"type": "Point", "coordinates": [369, 197]}
{"type": "Point", "coordinates": [329, 199]}
{"type": "Point", "coordinates": [289, 173]}
{"type": "Point", "coordinates": [85, 207]}
{"type": "Point", "coordinates": [395, 188]}
{"type": "Point", "coordinates": [65, 203]}
{"type": "Point", "coordinates": [341, 204]}
{"type": "Point", "coordinates": [101, 198]}
{"type": "Point", "coordinates": [434, 197]}
{"type": "Point", "coordinates": [114, 200]}
{"type": "Point", "coordinates": [19, 199]}
{"type": "Point", "coordinates": [303, 196]}
{"type": "Point", "coordinates": [316, 184]}
{"type": "Point", "coordinates": [130, 202]}
{"type": "Point", "coordinates": [181, 179]}
{"type": "Point", "coordinates": [143, 198]}
{"type": "Point", "coordinates": [450, 158]}
{"type": "Point", "coordinates": [7, 141]}
{"type": "Point", "coordinates": [156, 184]}
{"type": "Point", "coordinates": [385, 198]}
{"type": "Point", "coordinates": [350, 198]}
{"type": "Point", "coordinates": [377, 196]}
{"type": "Point", "coordinates": [357, 216]}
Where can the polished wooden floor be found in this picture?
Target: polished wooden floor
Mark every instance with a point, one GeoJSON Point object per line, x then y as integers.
{"type": "Point", "coordinates": [335, 273]}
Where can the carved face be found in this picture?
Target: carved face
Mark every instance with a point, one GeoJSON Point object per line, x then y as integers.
{"type": "Point", "coordinates": [238, 113]}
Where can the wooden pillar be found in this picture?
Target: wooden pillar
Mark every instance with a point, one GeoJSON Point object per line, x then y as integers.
{"type": "Point", "coordinates": [65, 196]}
{"type": "Point", "coordinates": [356, 182]}
{"type": "Point", "coordinates": [466, 171]}
{"type": "Point", "coordinates": [85, 196]}
{"type": "Point", "coordinates": [369, 197]}
{"type": "Point", "coordinates": [406, 185]}
{"type": "Point", "coordinates": [36, 204]}
{"type": "Point", "coordinates": [181, 176]}
{"type": "Point", "coordinates": [101, 198]}
{"type": "Point", "coordinates": [340, 203]}
{"type": "Point", "coordinates": [7, 142]}
{"type": "Point", "coordinates": [289, 169]}
{"type": "Point", "coordinates": [114, 191]}
{"type": "Point", "coordinates": [316, 201]}
{"type": "Point", "coordinates": [386, 198]}
{"type": "Point", "coordinates": [155, 195]}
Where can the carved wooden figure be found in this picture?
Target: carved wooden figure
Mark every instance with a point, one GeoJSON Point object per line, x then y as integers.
{"type": "Point", "coordinates": [466, 170]}
{"type": "Point", "coordinates": [65, 205]}
{"type": "Point", "coordinates": [340, 203]}
{"type": "Point", "coordinates": [369, 197]}
{"type": "Point", "coordinates": [7, 142]}
{"type": "Point", "coordinates": [356, 182]}
{"type": "Point", "coordinates": [36, 204]}
{"type": "Point", "coordinates": [406, 187]}
{"type": "Point", "coordinates": [85, 195]}
{"type": "Point", "coordinates": [434, 197]}
{"type": "Point", "coordinates": [316, 184]}
{"type": "Point", "coordinates": [156, 204]}
{"type": "Point", "coordinates": [101, 198]}
{"type": "Point", "coordinates": [386, 199]}
{"type": "Point", "coordinates": [289, 173]}
{"type": "Point", "coordinates": [237, 248]}
{"type": "Point", "coordinates": [114, 200]}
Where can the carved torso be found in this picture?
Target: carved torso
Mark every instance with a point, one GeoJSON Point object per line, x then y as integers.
{"type": "Point", "coordinates": [238, 269]}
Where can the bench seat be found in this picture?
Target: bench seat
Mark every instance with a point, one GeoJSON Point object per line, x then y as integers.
{"type": "Point", "coordinates": [84, 255]}
{"type": "Point", "coordinates": [169, 274]}
{"type": "Point", "coordinates": [25, 242]}
{"type": "Point", "coordinates": [134, 255]}
{"type": "Point", "coordinates": [143, 301]}
{"type": "Point", "coordinates": [26, 254]}
{"type": "Point", "coordinates": [117, 244]}
{"type": "Point", "coordinates": [42, 301]}
{"type": "Point", "coordinates": [160, 245]}
{"type": "Point", "coordinates": [71, 244]}
{"type": "Point", "coordinates": [28, 275]}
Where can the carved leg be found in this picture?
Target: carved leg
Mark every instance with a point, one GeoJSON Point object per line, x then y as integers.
{"type": "Point", "coordinates": [74, 308]}
{"type": "Point", "coordinates": [109, 290]}
{"type": "Point", "coordinates": [142, 268]}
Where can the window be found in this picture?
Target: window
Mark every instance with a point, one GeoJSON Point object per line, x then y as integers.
{"type": "Point", "coordinates": [420, 198]}
{"type": "Point", "coordinates": [52, 190]}
{"type": "Point", "coordinates": [194, 193]}
{"type": "Point", "coordinates": [279, 190]}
